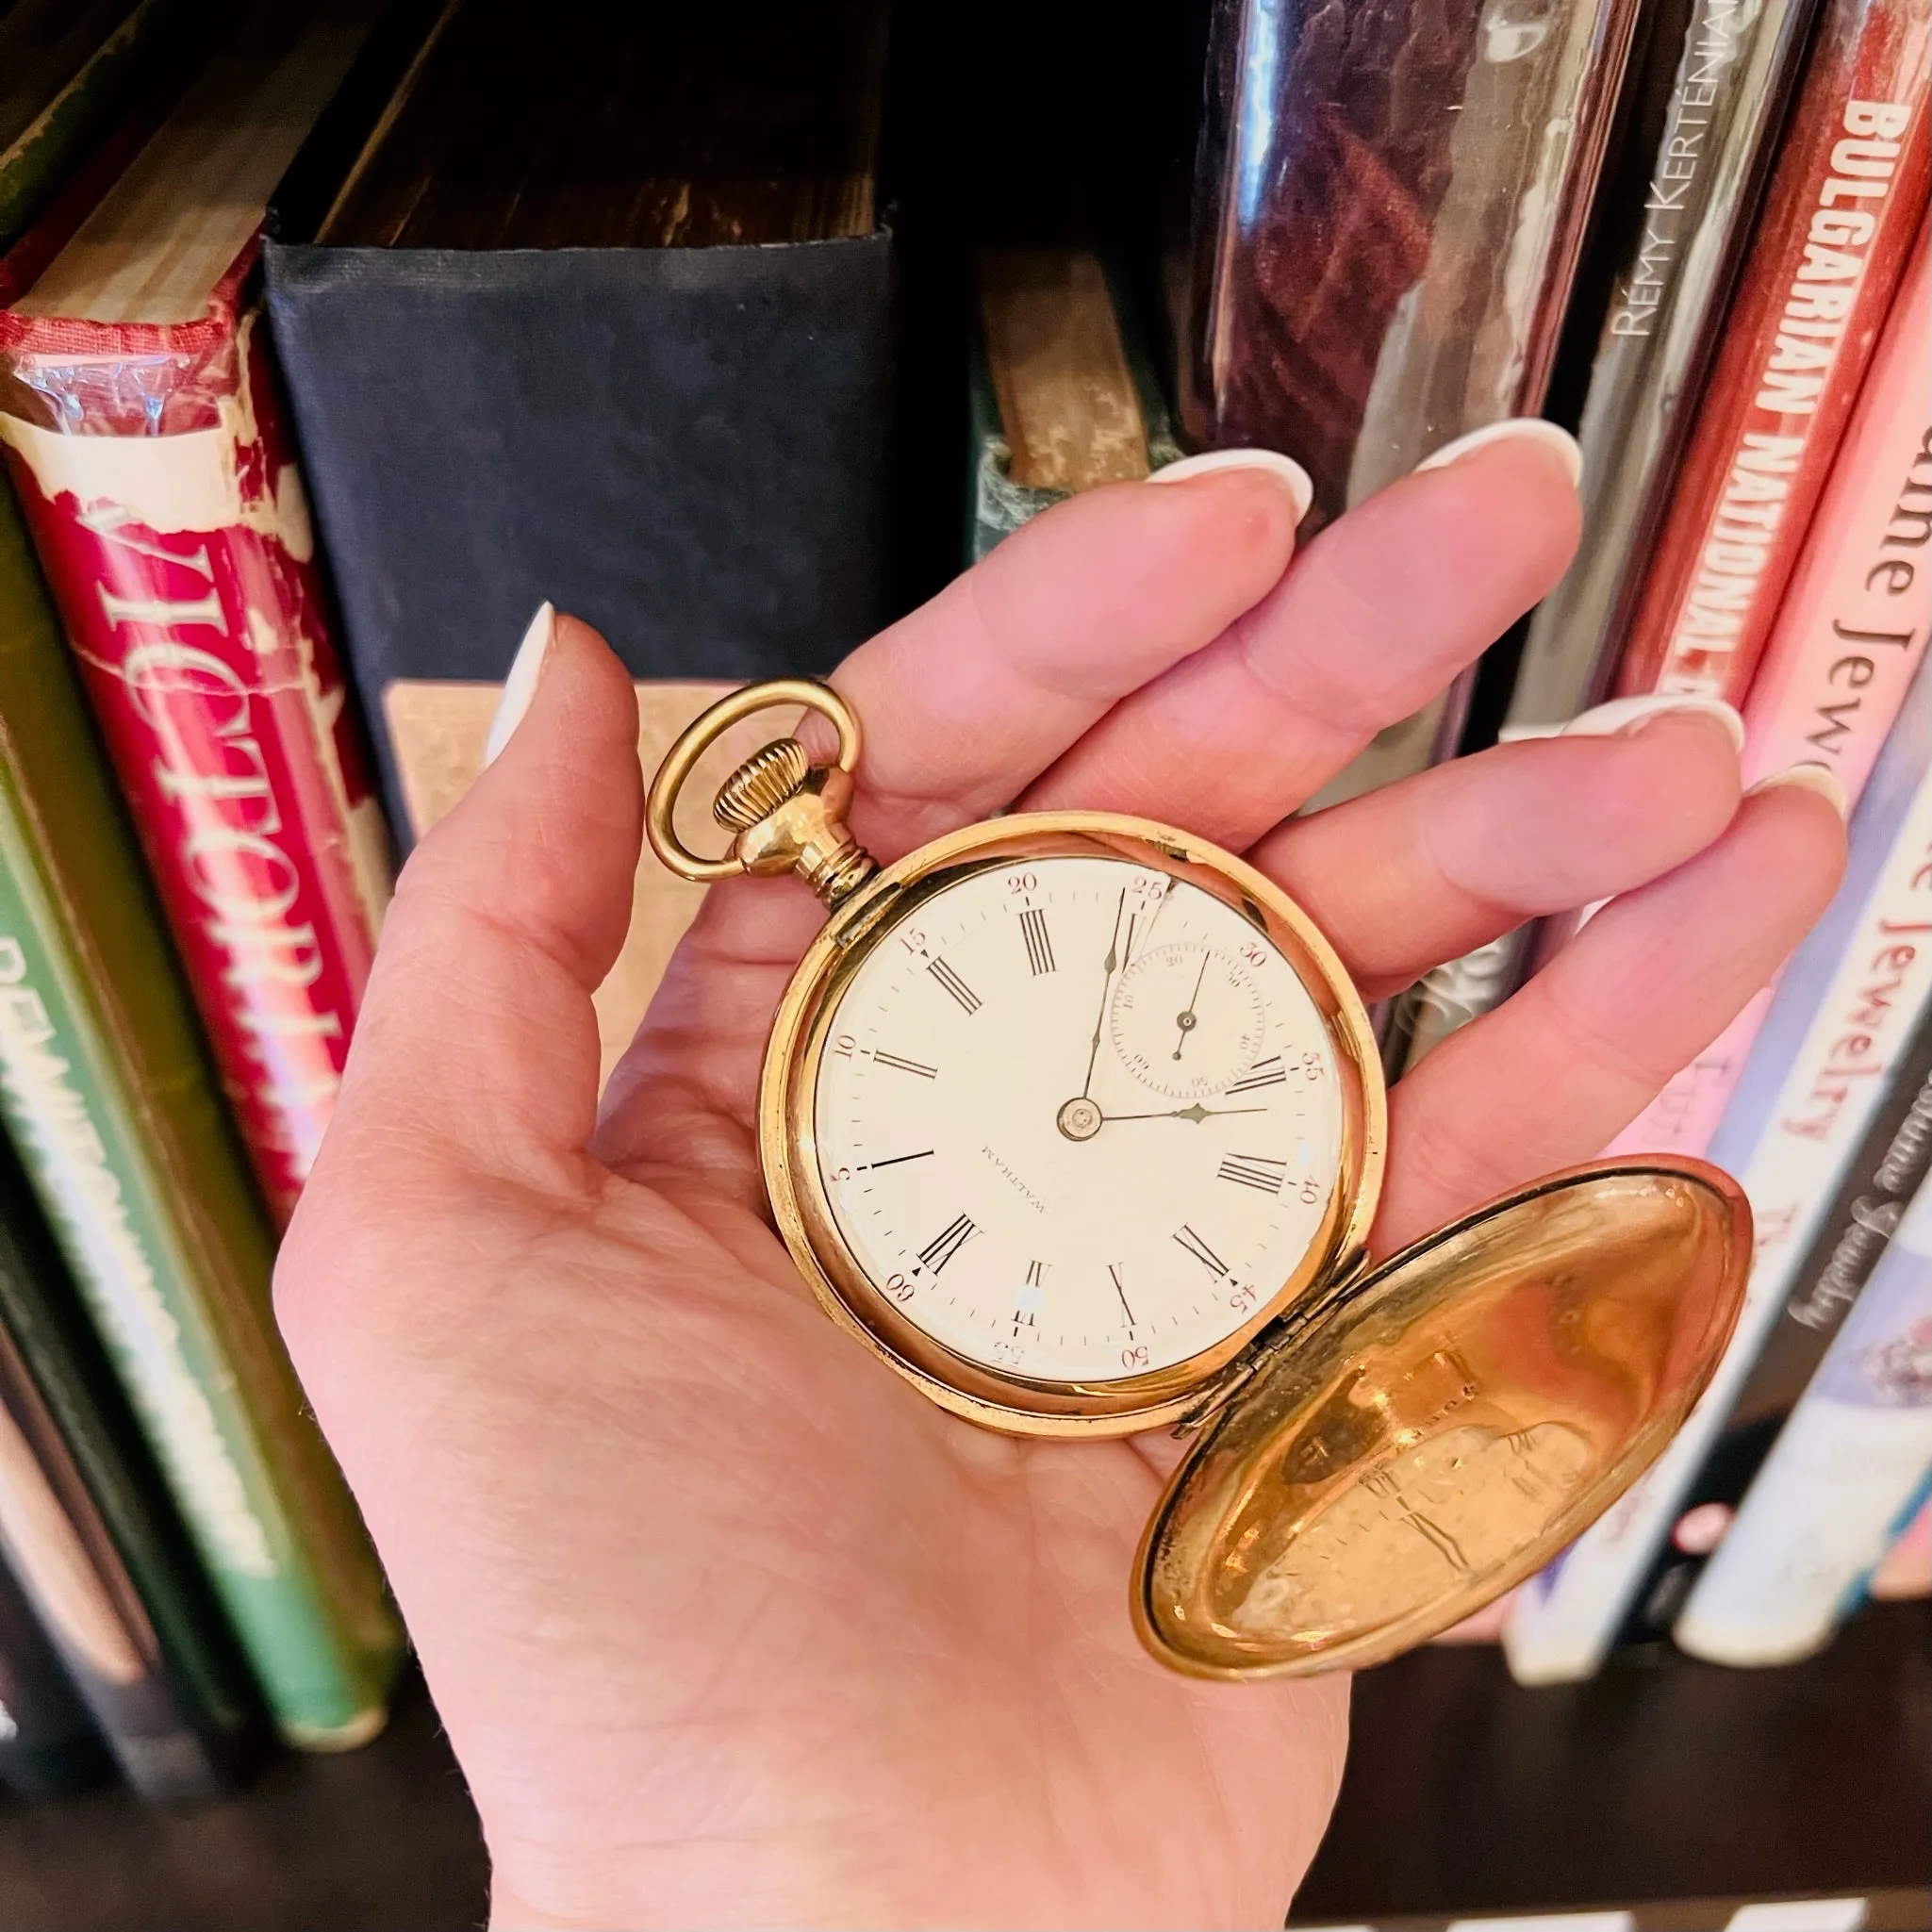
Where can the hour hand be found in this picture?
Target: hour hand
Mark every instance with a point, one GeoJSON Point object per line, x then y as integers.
{"type": "Point", "coordinates": [1080, 1119]}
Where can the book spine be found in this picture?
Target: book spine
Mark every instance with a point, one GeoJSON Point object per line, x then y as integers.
{"type": "Point", "coordinates": [1843, 209]}
{"type": "Point", "coordinates": [1880, 1184]}
{"type": "Point", "coordinates": [1852, 628]}
{"type": "Point", "coordinates": [1709, 102]}
{"type": "Point", "coordinates": [1876, 986]}
{"type": "Point", "coordinates": [997, 506]}
{"type": "Point", "coordinates": [186, 1719]}
{"type": "Point", "coordinates": [65, 1565]}
{"type": "Point", "coordinates": [999, 502]}
{"type": "Point", "coordinates": [1847, 642]}
{"type": "Point", "coordinates": [126, 1148]}
{"type": "Point", "coordinates": [183, 566]}
{"type": "Point", "coordinates": [47, 1746]}
{"type": "Point", "coordinates": [1847, 1473]}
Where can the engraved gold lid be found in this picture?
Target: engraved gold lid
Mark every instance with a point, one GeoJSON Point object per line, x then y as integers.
{"type": "Point", "coordinates": [1403, 1455]}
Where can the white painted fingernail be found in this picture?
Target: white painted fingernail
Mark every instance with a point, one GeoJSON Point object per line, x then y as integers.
{"type": "Point", "coordinates": [1531, 429]}
{"type": "Point", "coordinates": [520, 686]}
{"type": "Point", "coordinates": [1285, 470]}
{"type": "Point", "coordinates": [1811, 778]}
{"type": "Point", "coordinates": [1626, 717]}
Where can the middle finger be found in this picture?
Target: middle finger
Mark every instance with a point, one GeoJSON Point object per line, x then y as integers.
{"type": "Point", "coordinates": [1375, 617]}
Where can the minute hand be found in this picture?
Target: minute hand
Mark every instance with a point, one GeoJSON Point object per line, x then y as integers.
{"type": "Point", "coordinates": [1111, 964]}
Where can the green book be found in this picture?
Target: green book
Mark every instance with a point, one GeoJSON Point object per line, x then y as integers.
{"type": "Point", "coordinates": [125, 1142]}
{"type": "Point", "coordinates": [68, 69]}
{"type": "Point", "coordinates": [1061, 391]}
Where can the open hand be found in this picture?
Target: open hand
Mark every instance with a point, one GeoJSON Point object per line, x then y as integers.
{"type": "Point", "coordinates": [730, 1627]}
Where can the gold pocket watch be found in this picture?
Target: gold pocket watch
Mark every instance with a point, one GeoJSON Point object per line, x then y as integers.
{"type": "Point", "coordinates": [1076, 1121]}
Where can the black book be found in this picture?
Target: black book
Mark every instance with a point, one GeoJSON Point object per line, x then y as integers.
{"type": "Point", "coordinates": [47, 1746]}
{"type": "Point", "coordinates": [93, 1544]}
{"type": "Point", "coordinates": [1880, 1180]}
{"type": "Point", "coordinates": [592, 304]}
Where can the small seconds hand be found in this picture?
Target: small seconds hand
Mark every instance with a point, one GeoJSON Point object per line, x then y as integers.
{"type": "Point", "coordinates": [1186, 1022]}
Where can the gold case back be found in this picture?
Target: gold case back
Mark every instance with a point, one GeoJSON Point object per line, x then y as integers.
{"type": "Point", "coordinates": [1461, 1416]}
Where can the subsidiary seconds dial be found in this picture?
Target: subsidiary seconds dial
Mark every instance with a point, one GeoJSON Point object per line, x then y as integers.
{"type": "Point", "coordinates": [1188, 1020]}
{"type": "Point", "coordinates": [1077, 1119]}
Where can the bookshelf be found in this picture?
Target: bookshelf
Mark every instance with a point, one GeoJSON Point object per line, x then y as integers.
{"type": "Point", "coordinates": [1660, 1796]}
{"type": "Point", "coordinates": [1675, 1785]}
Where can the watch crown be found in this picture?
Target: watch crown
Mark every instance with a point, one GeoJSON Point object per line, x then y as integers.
{"type": "Point", "coordinates": [761, 785]}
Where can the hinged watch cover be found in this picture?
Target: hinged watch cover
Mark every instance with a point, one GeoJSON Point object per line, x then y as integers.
{"type": "Point", "coordinates": [1448, 1424]}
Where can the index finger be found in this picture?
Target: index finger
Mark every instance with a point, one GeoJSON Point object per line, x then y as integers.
{"type": "Point", "coordinates": [969, 697]}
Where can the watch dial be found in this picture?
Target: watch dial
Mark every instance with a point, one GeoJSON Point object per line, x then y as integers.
{"type": "Point", "coordinates": [1078, 1120]}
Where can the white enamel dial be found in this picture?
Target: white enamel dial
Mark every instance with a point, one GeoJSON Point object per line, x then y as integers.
{"type": "Point", "coordinates": [1078, 1120]}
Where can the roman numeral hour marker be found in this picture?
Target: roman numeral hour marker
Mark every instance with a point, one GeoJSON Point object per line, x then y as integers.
{"type": "Point", "coordinates": [948, 1243]}
{"type": "Point", "coordinates": [1254, 1170]}
{"type": "Point", "coordinates": [969, 1000]}
{"type": "Point", "coordinates": [1033, 925]}
{"type": "Point", "coordinates": [1200, 1251]}
{"type": "Point", "coordinates": [1264, 1073]}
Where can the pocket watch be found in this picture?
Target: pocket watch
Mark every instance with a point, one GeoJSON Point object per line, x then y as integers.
{"type": "Point", "coordinates": [1076, 1121]}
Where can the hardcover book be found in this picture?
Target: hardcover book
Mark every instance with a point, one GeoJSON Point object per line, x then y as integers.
{"type": "Point", "coordinates": [1850, 1469]}
{"type": "Point", "coordinates": [144, 434]}
{"type": "Point", "coordinates": [1389, 205]}
{"type": "Point", "coordinates": [1848, 635]}
{"type": "Point", "coordinates": [1861, 1223]}
{"type": "Point", "coordinates": [47, 1746]}
{"type": "Point", "coordinates": [593, 306]}
{"type": "Point", "coordinates": [1063, 394]}
{"type": "Point", "coordinates": [94, 1543]}
{"type": "Point", "coordinates": [132, 1156]}
{"type": "Point", "coordinates": [1848, 1005]}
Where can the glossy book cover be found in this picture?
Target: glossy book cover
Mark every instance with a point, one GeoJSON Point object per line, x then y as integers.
{"type": "Point", "coordinates": [1389, 203]}
{"type": "Point", "coordinates": [164, 500]}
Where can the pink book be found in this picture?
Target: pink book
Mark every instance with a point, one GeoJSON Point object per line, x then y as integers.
{"type": "Point", "coordinates": [1849, 636]}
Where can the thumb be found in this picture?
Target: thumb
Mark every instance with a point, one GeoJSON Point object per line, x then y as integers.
{"type": "Point", "coordinates": [477, 1038]}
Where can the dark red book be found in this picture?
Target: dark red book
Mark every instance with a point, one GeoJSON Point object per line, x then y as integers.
{"type": "Point", "coordinates": [1839, 222]}
{"type": "Point", "coordinates": [1389, 203]}
{"type": "Point", "coordinates": [143, 430]}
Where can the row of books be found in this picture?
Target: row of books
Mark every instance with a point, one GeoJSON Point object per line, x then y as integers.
{"type": "Point", "coordinates": [335, 336]}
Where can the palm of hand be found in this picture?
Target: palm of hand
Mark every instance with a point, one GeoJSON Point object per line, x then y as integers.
{"type": "Point", "coordinates": [767, 1602]}
{"type": "Point", "coordinates": [727, 1625]}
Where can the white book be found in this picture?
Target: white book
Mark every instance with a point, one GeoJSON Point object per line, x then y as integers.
{"type": "Point", "coordinates": [1846, 1006]}
{"type": "Point", "coordinates": [1847, 1469]}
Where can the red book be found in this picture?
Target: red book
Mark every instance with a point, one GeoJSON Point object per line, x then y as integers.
{"type": "Point", "coordinates": [143, 431]}
{"type": "Point", "coordinates": [1842, 211]}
